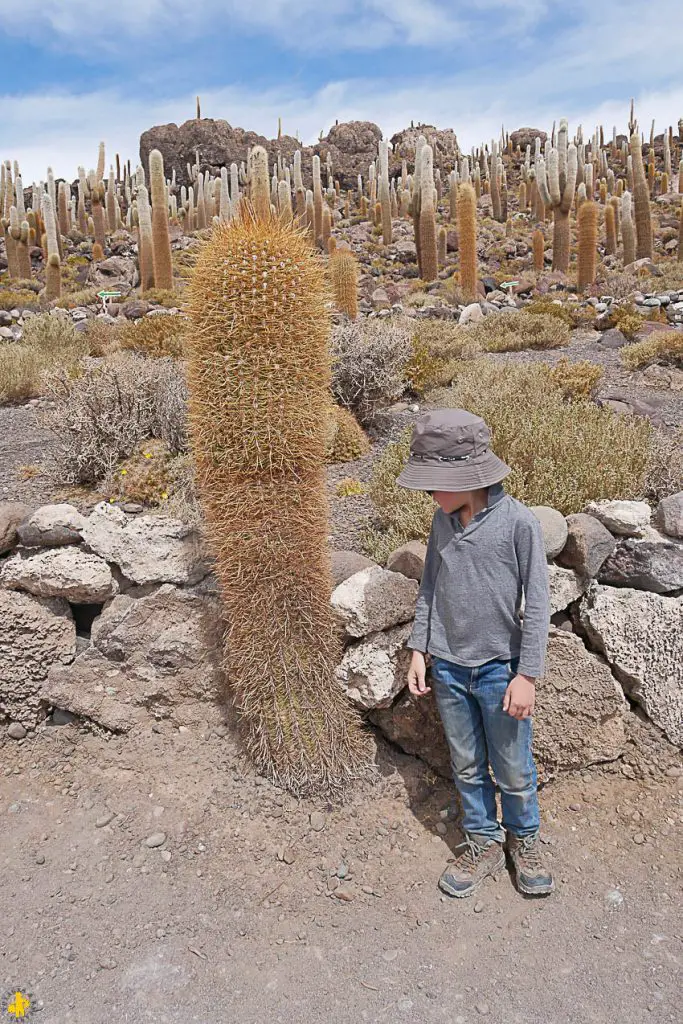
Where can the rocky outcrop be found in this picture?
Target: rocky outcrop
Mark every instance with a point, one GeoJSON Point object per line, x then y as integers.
{"type": "Point", "coordinates": [36, 633]}
{"type": "Point", "coordinates": [641, 635]}
{"type": "Point", "coordinates": [442, 140]}
{"type": "Point", "coordinates": [655, 565]}
{"type": "Point", "coordinates": [158, 655]}
{"type": "Point", "coordinates": [11, 515]}
{"type": "Point", "coordinates": [523, 137]}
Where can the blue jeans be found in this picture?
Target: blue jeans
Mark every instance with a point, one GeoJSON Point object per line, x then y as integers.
{"type": "Point", "coordinates": [479, 732]}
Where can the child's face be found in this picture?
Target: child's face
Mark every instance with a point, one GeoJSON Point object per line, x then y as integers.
{"type": "Point", "coordinates": [451, 501]}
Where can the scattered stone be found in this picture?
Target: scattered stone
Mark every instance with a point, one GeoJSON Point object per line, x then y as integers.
{"type": "Point", "coordinates": [52, 526]}
{"type": "Point", "coordinates": [40, 858]}
{"type": "Point", "coordinates": [589, 543]}
{"type": "Point", "coordinates": [16, 731]}
{"type": "Point", "coordinates": [409, 559]}
{"type": "Point", "coordinates": [483, 1009]}
{"type": "Point", "coordinates": [12, 513]}
{"type": "Point", "coordinates": [614, 899]}
{"type": "Point", "coordinates": [655, 565]}
{"type": "Point", "coordinates": [347, 563]}
{"type": "Point", "coordinates": [372, 600]}
{"type": "Point", "coordinates": [375, 670]}
{"type": "Point", "coordinates": [566, 586]}
{"type": "Point", "coordinates": [625, 518]}
{"type": "Point", "coordinates": [104, 819]}
{"type": "Point", "coordinates": [639, 839]}
{"type": "Point", "coordinates": [155, 840]}
{"type": "Point", "coordinates": [613, 338]}
{"type": "Point", "coordinates": [641, 635]}
{"type": "Point", "coordinates": [317, 821]}
{"type": "Point", "coordinates": [68, 572]}
{"type": "Point", "coordinates": [61, 717]}
{"type": "Point", "coordinates": [669, 515]}
{"type": "Point", "coordinates": [478, 907]}
{"type": "Point", "coordinates": [555, 529]}
{"type": "Point", "coordinates": [471, 314]}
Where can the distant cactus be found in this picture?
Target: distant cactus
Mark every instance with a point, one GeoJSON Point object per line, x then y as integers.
{"type": "Point", "coordinates": [628, 231]}
{"type": "Point", "coordinates": [310, 215]}
{"type": "Point", "coordinates": [110, 202]}
{"type": "Point", "coordinates": [99, 174]}
{"type": "Point", "coordinates": [97, 253]}
{"type": "Point", "coordinates": [201, 203]}
{"type": "Point", "coordinates": [428, 252]}
{"type": "Point", "coordinates": [494, 184]}
{"type": "Point", "coordinates": [259, 182]}
{"type": "Point", "coordinates": [452, 196]}
{"type": "Point", "coordinates": [603, 192]}
{"type": "Point", "coordinates": [344, 278]}
{"type": "Point", "coordinates": [145, 243]}
{"type": "Point", "coordinates": [538, 245]}
{"type": "Point", "coordinates": [610, 230]}
{"type": "Point", "coordinates": [96, 203]}
{"type": "Point", "coordinates": [680, 177]}
{"type": "Point", "coordinates": [522, 197]}
{"type": "Point", "coordinates": [467, 240]}
{"type": "Point", "coordinates": [588, 244]}
{"type": "Point", "coordinates": [664, 184]}
{"type": "Point", "coordinates": [441, 245]}
{"type": "Point", "coordinates": [63, 197]}
{"type": "Point", "coordinates": [317, 200]}
{"type": "Point", "coordinates": [331, 245]}
{"type": "Point", "coordinates": [161, 242]}
{"type": "Point", "coordinates": [384, 192]}
{"type": "Point", "coordinates": [284, 202]}
{"type": "Point", "coordinates": [53, 270]}
{"type": "Point", "coordinates": [641, 201]}
{"type": "Point", "coordinates": [416, 199]}
{"type": "Point", "coordinates": [556, 184]}
{"type": "Point", "coordinates": [326, 226]}
{"type": "Point", "coordinates": [680, 235]}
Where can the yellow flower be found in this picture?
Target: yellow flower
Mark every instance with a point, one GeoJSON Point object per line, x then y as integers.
{"type": "Point", "coordinates": [164, 495]}
{"type": "Point", "coordinates": [123, 472]}
{"type": "Point", "coordinates": [148, 455]}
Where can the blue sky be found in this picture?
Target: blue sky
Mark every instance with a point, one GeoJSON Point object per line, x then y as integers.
{"type": "Point", "coordinates": [76, 72]}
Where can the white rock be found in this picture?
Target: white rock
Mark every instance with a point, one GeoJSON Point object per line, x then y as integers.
{"type": "Point", "coordinates": [641, 635]}
{"type": "Point", "coordinates": [555, 529]}
{"type": "Point", "coordinates": [566, 586]}
{"type": "Point", "coordinates": [375, 670]}
{"type": "Point", "coordinates": [624, 518]}
{"type": "Point", "coordinates": [372, 600]}
{"type": "Point", "coordinates": [669, 515]}
{"type": "Point", "coordinates": [70, 572]}
{"type": "Point", "coordinates": [148, 549]}
{"type": "Point", "coordinates": [471, 314]}
{"type": "Point", "coordinates": [52, 526]}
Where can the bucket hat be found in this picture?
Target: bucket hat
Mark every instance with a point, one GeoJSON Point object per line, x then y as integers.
{"type": "Point", "coordinates": [449, 451]}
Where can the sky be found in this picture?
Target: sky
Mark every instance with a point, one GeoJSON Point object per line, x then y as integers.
{"type": "Point", "coordinates": [75, 73]}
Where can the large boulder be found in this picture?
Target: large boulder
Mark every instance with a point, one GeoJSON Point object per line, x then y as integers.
{"type": "Point", "coordinates": [669, 515]}
{"type": "Point", "coordinates": [72, 573]}
{"type": "Point", "coordinates": [372, 600]}
{"type": "Point", "coordinates": [641, 635]}
{"type": "Point", "coordinates": [346, 563]}
{"type": "Point", "coordinates": [523, 137]}
{"type": "Point", "coordinates": [409, 559]}
{"type": "Point", "coordinates": [442, 140]}
{"type": "Point", "coordinates": [566, 586]}
{"type": "Point", "coordinates": [36, 633]}
{"type": "Point", "coordinates": [555, 529]}
{"type": "Point", "coordinates": [148, 549]}
{"type": "Point", "coordinates": [655, 565]}
{"type": "Point", "coordinates": [156, 656]}
{"type": "Point", "coordinates": [11, 515]}
{"type": "Point", "coordinates": [589, 543]}
{"type": "Point", "coordinates": [351, 146]}
{"type": "Point", "coordinates": [118, 273]}
{"type": "Point", "coordinates": [52, 526]}
{"type": "Point", "coordinates": [625, 518]}
{"type": "Point", "coordinates": [579, 718]}
{"type": "Point", "coordinates": [375, 670]}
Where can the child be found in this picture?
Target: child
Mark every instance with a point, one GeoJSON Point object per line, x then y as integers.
{"type": "Point", "coordinates": [485, 554]}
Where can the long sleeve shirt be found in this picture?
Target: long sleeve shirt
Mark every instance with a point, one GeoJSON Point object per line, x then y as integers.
{"type": "Point", "coordinates": [476, 581]}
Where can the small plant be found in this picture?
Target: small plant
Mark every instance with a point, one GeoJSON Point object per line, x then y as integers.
{"type": "Point", "coordinates": [350, 488]}
{"type": "Point", "coordinates": [347, 441]}
{"type": "Point", "coordinates": [549, 307]}
{"type": "Point", "coordinates": [146, 476]}
{"type": "Point", "coordinates": [169, 298]}
{"type": "Point", "coordinates": [665, 347]}
{"type": "Point", "coordinates": [47, 342]}
{"type": "Point", "coordinates": [627, 320]}
{"type": "Point", "coordinates": [82, 297]}
{"type": "Point", "coordinates": [20, 299]}
{"type": "Point", "coordinates": [369, 360]}
{"type": "Point", "coordinates": [576, 380]}
{"type": "Point", "coordinates": [155, 336]}
{"type": "Point", "coordinates": [513, 332]}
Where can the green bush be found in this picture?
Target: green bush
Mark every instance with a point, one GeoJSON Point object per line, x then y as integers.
{"type": "Point", "coordinates": [512, 332]}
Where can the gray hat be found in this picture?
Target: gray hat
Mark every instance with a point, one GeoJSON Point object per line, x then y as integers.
{"type": "Point", "coordinates": [449, 451]}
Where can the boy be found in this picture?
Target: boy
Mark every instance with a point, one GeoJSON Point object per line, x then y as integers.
{"type": "Point", "coordinates": [485, 554]}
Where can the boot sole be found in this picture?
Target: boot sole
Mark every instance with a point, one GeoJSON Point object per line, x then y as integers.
{"type": "Point", "coordinates": [475, 885]}
{"type": "Point", "coordinates": [538, 890]}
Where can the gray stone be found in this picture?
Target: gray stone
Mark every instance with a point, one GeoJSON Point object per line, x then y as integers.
{"type": "Point", "coordinates": [655, 565]}
{"type": "Point", "coordinates": [155, 840]}
{"type": "Point", "coordinates": [147, 549]}
{"type": "Point", "coordinates": [375, 670]}
{"type": "Point", "coordinates": [641, 635]}
{"type": "Point", "coordinates": [669, 515]}
{"type": "Point", "coordinates": [566, 586]}
{"type": "Point", "coordinates": [156, 656]}
{"type": "Point", "coordinates": [52, 526]}
{"type": "Point", "coordinates": [471, 314]}
{"type": "Point", "coordinates": [35, 634]}
{"type": "Point", "coordinates": [16, 731]}
{"type": "Point", "coordinates": [409, 559]}
{"type": "Point", "coordinates": [346, 563]}
{"type": "Point", "coordinates": [555, 529]}
{"type": "Point", "coordinates": [624, 518]}
{"type": "Point", "coordinates": [71, 573]}
{"type": "Point", "coordinates": [11, 514]}
{"type": "Point", "coordinates": [372, 600]}
{"type": "Point", "coordinates": [589, 543]}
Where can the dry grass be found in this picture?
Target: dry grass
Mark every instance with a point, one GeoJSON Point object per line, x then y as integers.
{"type": "Point", "coordinates": [626, 319]}
{"type": "Point", "coordinates": [513, 332]}
{"type": "Point", "coordinates": [439, 346]}
{"type": "Point", "coordinates": [369, 360]}
{"type": "Point", "coordinates": [164, 297]}
{"type": "Point", "coordinates": [81, 297]}
{"type": "Point", "coordinates": [47, 342]}
{"type": "Point", "coordinates": [665, 465]}
{"type": "Point", "coordinates": [562, 453]}
{"type": "Point", "coordinates": [350, 488]}
{"type": "Point", "coordinates": [155, 336]}
{"type": "Point", "coordinates": [665, 347]}
{"type": "Point", "coordinates": [19, 298]}
{"type": "Point", "coordinates": [543, 306]}
{"type": "Point", "coordinates": [576, 381]}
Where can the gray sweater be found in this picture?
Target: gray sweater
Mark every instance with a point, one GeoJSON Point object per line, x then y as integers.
{"type": "Point", "coordinates": [476, 581]}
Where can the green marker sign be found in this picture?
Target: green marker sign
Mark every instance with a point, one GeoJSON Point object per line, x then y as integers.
{"type": "Point", "coordinates": [109, 295]}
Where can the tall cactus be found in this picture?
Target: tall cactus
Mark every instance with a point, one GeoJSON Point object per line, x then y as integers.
{"type": "Point", "coordinates": [384, 192]}
{"type": "Point", "coordinates": [588, 244]}
{"type": "Point", "coordinates": [556, 183]}
{"type": "Point", "coordinates": [161, 241]}
{"type": "Point", "coordinates": [416, 199]}
{"type": "Point", "coordinates": [628, 231]}
{"type": "Point", "coordinates": [259, 182]}
{"type": "Point", "coordinates": [496, 204]}
{"type": "Point", "coordinates": [428, 243]}
{"type": "Point", "coordinates": [145, 243]}
{"type": "Point", "coordinates": [610, 230]}
{"type": "Point", "coordinates": [344, 277]}
{"type": "Point", "coordinates": [467, 240]}
{"type": "Point", "coordinates": [317, 200]}
{"type": "Point", "coordinates": [641, 201]}
{"type": "Point", "coordinates": [259, 379]}
{"type": "Point", "coordinates": [538, 246]}
{"type": "Point", "coordinates": [53, 270]}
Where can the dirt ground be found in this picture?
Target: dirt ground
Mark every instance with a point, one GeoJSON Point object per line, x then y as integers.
{"type": "Point", "coordinates": [241, 914]}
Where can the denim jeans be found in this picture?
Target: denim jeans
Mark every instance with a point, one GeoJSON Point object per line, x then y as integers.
{"type": "Point", "coordinates": [479, 733]}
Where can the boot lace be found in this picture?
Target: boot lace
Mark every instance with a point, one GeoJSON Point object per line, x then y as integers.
{"type": "Point", "coordinates": [529, 852]}
{"type": "Point", "coordinates": [471, 852]}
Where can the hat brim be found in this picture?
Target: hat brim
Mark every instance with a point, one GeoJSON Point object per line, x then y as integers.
{"type": "Point", "coordinates": [482, 471]}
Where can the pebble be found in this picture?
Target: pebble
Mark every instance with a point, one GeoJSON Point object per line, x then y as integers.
{"type": "Point", "coordinates": [674, 773]}
{"type": "Point", "coordinates": [166, 855]}
{"type": "Point", "coordinates": [478, 907]}
{"type": "Point", "coordinates": [441, 828]}
{"type": "Point", "coordinates": [614, 899]}
{"type": "Point", "coordinates": [156, 839]}
{"type": "Point", "coordinates": [16, 731]}
{"type": "Point", "coordinates": [317, 821]}
{"type": "Point", "coordinates": [483, 1009]}
{"type": "Point", "coordinates": [639, 839]}
{"type": "Point", "coordinates": [104, 819]}
{"type": "Point", "coordinates": [40, 858]}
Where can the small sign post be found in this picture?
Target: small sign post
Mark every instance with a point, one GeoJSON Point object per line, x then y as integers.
{"type": "Point", "coordinates": [105, 295]}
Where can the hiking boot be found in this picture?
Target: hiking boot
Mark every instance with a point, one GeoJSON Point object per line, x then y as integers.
{"type": "Point", "coordinates": [530, 874]}
{"type": "Point", "coordinates": [478, 859]}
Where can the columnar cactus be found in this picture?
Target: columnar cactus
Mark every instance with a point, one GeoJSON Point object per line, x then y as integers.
{"type": "Point", "coordinates": [100, 163]}
{"type": "Point", "coordinates": [628, 231]}
{"type": "Point", "coordinates": [161, 242]}
{"type": "Point", "coordinates": [344, 277]}
{"type": "Point", "coordinates": [538, 246]}
{"type": "Point", "coordinates": [259, 379]}
{"type": "Point", "coordinates": [384, 192]}
{"type": "Point", "coordinates": [416, 199]}
{"type": "Point", "coordinates": [201, 203]}
{"type": "Point", "coordinates": [259, 182]}
{"type": "Point", "coordinates": [494, 181]}
{"type": "Point", "coordinates": [326, 226]}
{"type": "Point", "coordinates": [284, 202]}
{"type": "Point", "coordinates": [20, 232]}
{"type": "Point", "coordinates": [441, 245]}
{"type": "Point", "coordinates": [97, 207]}
{"type": "Point", "coordinates": [467, 239]}
{"type": "Point", "coordinates": [81, 214]}
{"type": "Point", "coordinates": [641, 201]}
{"type": "Point", "coordinates": [610, 230]}
{"type": "Point", "coordinates": [428, 250]}
{"type": "Point", "coordinates": [145, 243]}
{"type": "Point", "coordinates": [556, 184]}
{"type": "Point", "coordinates": [317, 200]}
{"type": "Point", "coordinates": [53, 270]}
{"type": "Point", "coordinates": [588, 244]}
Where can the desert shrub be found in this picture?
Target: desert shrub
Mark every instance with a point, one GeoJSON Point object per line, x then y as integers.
{"type": "Point", "coordinates": [626, 319]}
{"type": "Point", "coordinates": [21, 370]}
{"type": "Point", "coordinates": [369, 360]}
{"type": "Point", "coordinates": [55, 335]}
{"type": "Point", "coordinates": [512, 332]}
{"type": "Point", "coordinates": [347, 440]}
{"type": "Point", "coordinates": [80, 297]}
{"type": "Point", "coordinates": [438, 348]}
{"type": "Point", "coordinates": [47, 342]}
{"type": "Point", "coordinates": [664, 465]}
{"type": "Point", "coordinates": [102, 338]}
{"type": "Point", "coordinates": [149, 476]}
{"type": "Point", "coordinates": [102, 416]}
{"type": "Point", "coordinates": [576, 380]}
{"type": "Point", "coordinates": [543, 306]}
{"type": "Point", "coordinates": [164, 297]}
{"type": "Point", "coordinates": [620, 284]}
{"type": "Point", "coordinates": [22, 298]}
{"type": "Point", "coordinates": [664, 347]}
{"type": "Point", "coordinates": [350, 488]}
{"type": "Point", "coordinates": [670, 277]}
{"type": "Point", "coordinates": [155, 336]}
{"type": "Point", "coordinates": [562, 453]}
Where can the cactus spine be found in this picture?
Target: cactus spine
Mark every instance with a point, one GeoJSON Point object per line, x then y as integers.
{"type": "Point", "coordinates": [628, 231]}
{"type": "Point", "coordinates": [610, 230]}
{"type": "Point", "coordinates": [641, 201]}
{"type": "Point", "coordinates": [161, 242]}
{"type": "Point", "coordinates": [145, 245]}
{"type": "Point", "coordinates": [344, 278]}
{"type": "Point", "coordinates": [259, 379]}
{"type": "Point", "coordinates": [53, 270]}
{"type": "Point", "coordinates": [588, 244]}
{"type": "Point", "coordinates": [467, 240]}
{"type": "Point", "coordinates": [428, 251]}
{"type": "Point", "coordinates": [538, 245]}
{"type": "Point", "coordinates": [384, 192]}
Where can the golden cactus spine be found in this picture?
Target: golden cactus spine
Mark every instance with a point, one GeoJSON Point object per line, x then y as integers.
{"type": "Point", "coordinates": [161, 242]}
{"type": "Point", "coordinates": [610, 230]}
{"type": "Point", "coordinates": [428, 249]}
{"type": "Point", "coordinates": [259, 379]}
{"type": "Point", "coordinates": [538, 246]}
{"type": "Point", "coordinates": [344, 278]}
{"type": "Point", "coordinates": [467, 240]}
{"type": "Point", "coordinates": [53, 270]}
{"type": "Point", "coordinates": [588, 244]}
{"type": "Point", "coordinates": [641, 201]}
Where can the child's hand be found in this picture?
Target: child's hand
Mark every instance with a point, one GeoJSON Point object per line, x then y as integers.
{"type": "Point", "coordinates": [417, 675]}
{"type": "Point", "coordinates": [520, 697]}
